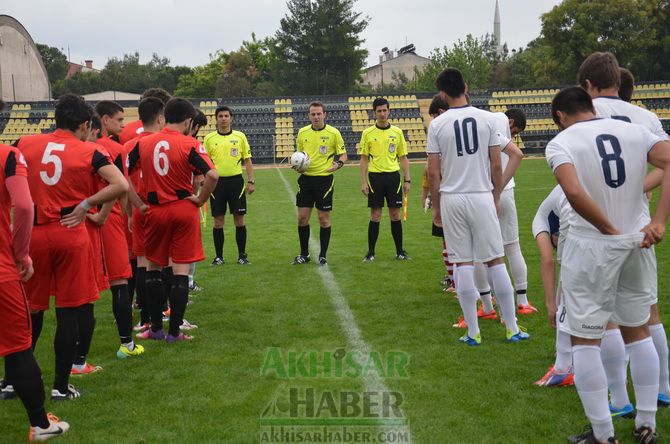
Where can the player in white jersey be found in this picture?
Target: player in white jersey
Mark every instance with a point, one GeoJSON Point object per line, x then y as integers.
{"type": "Point", "coordinates": [605, 274]}
{"type": "Point", "coordinates": [600, 76]}
{"type": "Point", "coordinates": [464, 167]}
{"type": "Point", "coordinates": [550, 226]}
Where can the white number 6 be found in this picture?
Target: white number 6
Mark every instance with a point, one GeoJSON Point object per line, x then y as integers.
{"type": "Point", "coordinates": [48, 158]}
{"type": "Point", "coordinates": [160, 155]}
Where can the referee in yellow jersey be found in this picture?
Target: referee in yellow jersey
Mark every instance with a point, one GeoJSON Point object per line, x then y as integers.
{"type": "Point", "coordinates": [322, 143]}
{"type": "Point", "coordinates": [383, 152]}
{"type": "Point", "coordinates": [229, 149]}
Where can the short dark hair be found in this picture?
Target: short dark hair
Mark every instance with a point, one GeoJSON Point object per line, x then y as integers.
{"type": "Point", "coordinates": [451, 82]}
{"type": "Point", "coordinates": [158, 93]}
{"type": "Point", "coordinates": [518, 116]}
{"type": "Point", "coordinates": [107, 108]}
{"type": "Point", "coordinates": [71, 111]}
{"type": "Point", "coordinates": [571, 100]}
{"type": "Point", "coordinates": [149, 109]}
{"type": "Point", "coordinates": [601, 69]}
{"type": "Point", "coordinates": [177, 110]}
{"type": "Point", "coordinates": [223, 108]}
{"type": "Point", "coordinates": [380, 101]}
{"type": "Point", "coordinates": [316, 103]}
{"type": "Point", "coordinates": [437, 104]}
{"type": "Point", "coordinates": [200, 118]}
{"type": "Point", "coordinates": [96, 124]}
{"type": "Point", "coordinates": [627, 85]}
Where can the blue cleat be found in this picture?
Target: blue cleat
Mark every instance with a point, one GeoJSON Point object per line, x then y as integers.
{"type": "Point", "coordinates": [663, 400]}
{"type": "Point", "coordinates": [477, 340]}
{"type": "Point", "coordinates": [519, 336]}
{"type": "Point", "coordinates": [627, 411]}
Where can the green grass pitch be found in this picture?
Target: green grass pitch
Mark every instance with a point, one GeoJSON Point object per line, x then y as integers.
{"type": "Point", "coordinates": [212, 389]}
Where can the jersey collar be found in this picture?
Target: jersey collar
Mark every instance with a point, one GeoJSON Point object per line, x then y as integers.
{"type": "Point", "coordinates": [382, 128]}
{"type": "Point", "coordinates": [459, 107]}
{"type": "Point", "coordinates": [64, 134]}
{"type": "Point", "coordinates": [610, 97]}
{"type": "Point", "coordinates": [225, 134]}
{"type": "Point", "coordinates": [314, 129]}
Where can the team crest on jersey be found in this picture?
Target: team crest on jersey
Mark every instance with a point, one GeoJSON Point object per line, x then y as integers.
{"type": "Point", "coordinates": [323, 149]}
{"type": "Point", "coordinates": [391, 147]}
{"type": "Point", "coordinates": [233, 151]}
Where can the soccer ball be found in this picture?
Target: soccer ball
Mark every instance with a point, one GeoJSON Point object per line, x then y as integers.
{"type": "Point", "coordinates": [299, 161]}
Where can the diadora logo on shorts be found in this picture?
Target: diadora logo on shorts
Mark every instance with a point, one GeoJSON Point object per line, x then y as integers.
{"type": "Point", "coordinates": [592, 327]}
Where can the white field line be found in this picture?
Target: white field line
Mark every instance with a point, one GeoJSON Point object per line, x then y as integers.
{"type": "Point", "coordinates": [372, 381]}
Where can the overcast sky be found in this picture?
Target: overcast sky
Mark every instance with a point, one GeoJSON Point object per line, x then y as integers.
{"type": "Point", "coordinates": [187, 32]}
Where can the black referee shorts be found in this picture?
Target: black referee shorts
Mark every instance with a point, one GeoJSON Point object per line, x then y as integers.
{"type": "Point", "coordinates": [384, 186]}
{"type": "Point", "coordinates": [229, 193]}
{"type": "Point", "coordinates": [315, 191]}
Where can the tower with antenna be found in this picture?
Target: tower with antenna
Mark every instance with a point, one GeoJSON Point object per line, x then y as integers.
{"type": "Point", "coordinates": [496, 29]}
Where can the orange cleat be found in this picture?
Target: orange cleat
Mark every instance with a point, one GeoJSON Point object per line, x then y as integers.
{"type": "Point", "coordinates": [526, 309]}
{"type": "Point", "coordinates": [460, 323]}
{"type": "Point", "coordinates": [86, 370]}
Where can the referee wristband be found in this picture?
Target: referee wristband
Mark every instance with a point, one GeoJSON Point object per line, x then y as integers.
{"type": "Point", "coordinates": [408, 181]}
{"type": "Point", "coordinates": [339, 163]}
{"type": "Point", "coordinates": [85, 205]}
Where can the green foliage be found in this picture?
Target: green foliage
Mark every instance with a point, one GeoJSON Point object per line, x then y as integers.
{"type": "Point", "coordinates": [318, 47]}
{"type": "Point", "coordinates": [54, 61]}
{"type": "Point", "coordinates": [201, 82]}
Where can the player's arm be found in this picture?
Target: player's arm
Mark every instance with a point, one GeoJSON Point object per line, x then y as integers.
{"type": "Point", "coordinates": [434, 183]}
{"type": "Point", "coordinates": [581, 202]}
{"type": "Point", "coordinates": [101, 216]}
{"type": "Point", "coordinates": [515, 157]}
{"type": "Point", "coordinates": [250, 175]}
{"type": "Point", "coordinates": [548, 274]}
{"type": "Point", "coordinates": [659, 156]}
{"type": "Point", "coordinates": [404, 164]}
{"type": "Point", "coordinates": [496, 174]}
{"type": "Point", "coordinates": [363, 165]}
{"type": "Point", "coordinates": [341, 151]}
{"type": "Point", "coordinates": [653, 180]}
{"type": "Point", "coordinates": [203, 166]}
{"type": "Point", "coordinates": [22, 223]}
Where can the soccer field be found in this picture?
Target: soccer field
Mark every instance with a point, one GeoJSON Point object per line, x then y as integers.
{"type": "Point", "coordinates": [225, 384]}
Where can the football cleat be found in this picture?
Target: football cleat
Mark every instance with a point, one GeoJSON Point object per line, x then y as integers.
{"type": "Point", "coordinates": [242, 260]}
{"type": "Point", "coordinates": [322, 261]}
{"type": "Point", "coordinates": [587, 437]}
{"type": "Point", "coordinates": [402, 256]}
{"type": "Point", "coordinates": [483, 315]}
{"type": "Point", "coordinates": [217, 261]}
{"type": "Point", "coordinates": [460, 323]}
{"type": "Point", "coordinates": [85, 369]}
{"type": "Point", "coordinates": [446, 281]}
{"type": "Point", "coordinates": [518, 336]}
{"type": "Point", "coordinates": [166, 315]}
{"type": "Point", "coordinates": [185, 325]}
{"type": "Point", "coordinates": [70, 393]}
{"type": "Point", "coordinates": [6, 390]}
{"type": "Point", "coordinates": [627, 411]}
{"type": "Point", "coordinates": [195, 288]}
{"type": "Point", "coordinates": [450, 290]}
{"type": "Point", "coordinates": [150, 334]}
{"type": "Point", "coordinates": [124, 352]}
{"type": "Point", "coordinates": [645, 435]}
{"type": "Point", "coordinates": [56, 428]}
{"type": "Point", "coordinates": [477, 340]}
{"type": "Point", "coordinates": [300, 259]}
{"type": "Point", "coordinates": [526, 309]}
{"type": "Point", "coordinates": [555, 379]}
{"type": "Point", "coordinates": [369, 257]}
{"type": "Point", "coordinates": [663, 400]}
{"type": "Point", "coordinates": [180, 337]}
{"type": "Point", "coordinates": [142, 327]}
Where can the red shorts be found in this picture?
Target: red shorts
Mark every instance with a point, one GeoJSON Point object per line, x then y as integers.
{"type": "Point", "coordinates": [63, 262]}
{"type": "Point", "coordinates": [129, 236]}
{"type": "Point", "coordinates": [173, 231]}
{"type": "Point", "coordinates": [98, 255]}
{"type": "Point", "coordinates": [15, 328]}
{"type": "Point", "coordinates": [138, 233]}
{"type": "Point", "coordinates": [115, 247]}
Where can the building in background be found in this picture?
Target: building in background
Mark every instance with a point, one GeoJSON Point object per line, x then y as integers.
{"type": "Point", "coordinates": [392, 64]}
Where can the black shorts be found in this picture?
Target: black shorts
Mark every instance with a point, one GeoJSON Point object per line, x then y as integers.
{"type": "Point", "coordinates": [229, 192]}
{"type": "Point", "coordinates": [385, 185]}
{"type": "Point", "coordinates": [315, 191]}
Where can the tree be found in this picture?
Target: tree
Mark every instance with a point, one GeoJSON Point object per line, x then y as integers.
{"type": "Point", "coordinates": [201, 82]}
{"type": "Point", "coordinates": [54, 61]}
{"type": "Point", "coordinates": [318, 47]}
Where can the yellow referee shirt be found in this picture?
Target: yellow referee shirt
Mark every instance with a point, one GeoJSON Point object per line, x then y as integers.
{"type": "Point", "coordinates": [321, 146]}
{"type": "Point", "coordinates": [227, 151]}
{"type": "Point", "coordinates": [383, 146]}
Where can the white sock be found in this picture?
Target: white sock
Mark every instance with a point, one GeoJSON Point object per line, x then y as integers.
{"type": "Point", "coordinates": [482, 278]}
{"type": "Point", "coordinates": [644, 370]}
{"type": "Point", "coordinates": [502, 286]}
{"type": "Point", "coordinates": [591, 384]}
{"type": "Point", "coordinates": [661, 344]}
{"type": "Point", "coordinates": [519, 271]}
{"type": "Point", "coordinates": [563, 360]}
{"type": "Point", "coordinates": [487, 301]}
{"type": "Point", "coordinates": [613, 356]}
{"type": "Point", "coordinates": [467, 296]}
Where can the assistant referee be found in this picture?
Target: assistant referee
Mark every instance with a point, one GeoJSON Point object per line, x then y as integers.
{"type": "Point", "coordinates": [228, 149]}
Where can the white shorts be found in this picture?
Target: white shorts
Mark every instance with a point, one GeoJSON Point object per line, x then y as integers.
{"type": "Point", "coordinates": [509, 222]}
{"type": "Point", "coordinates": [471, 227]}
{"type": "Point", "coordinates": [605, 279]}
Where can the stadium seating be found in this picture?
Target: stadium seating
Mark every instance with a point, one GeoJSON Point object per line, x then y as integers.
{"type": "Point", "coordinates": [271, 124]}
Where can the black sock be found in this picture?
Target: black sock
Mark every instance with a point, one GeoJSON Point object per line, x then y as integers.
{"type": "Point", "coordinates": [86, 322]}
{"type": "Point", "coordinates": [303, 234]}
{"type": "Point", "coordinates": [241, 239]}
{"type": "Point", "coordinates": [131, 281]}
{"type": "Point", "coordinates": [141, 289]}
{"type": "Point", "coordinates": [373, 234]}
{"type": "Point", "coordinates": [26, 377]}
{"type": "Point", "coordinates": [167, 285]}
{"type": "Point", "coordinates": [324, 238]}
{"type": "Point", "coordinates": [65, 344]}
{"type": "Point", "coordinates": [521, 292]}
{"type": "Point", "coordinates": [155, 290]}
{"type": "Point", "coordinates": [178, 301]}
{"type": "Point", "coordinates": [217, 233]}
{"type": "Point", "coordinates": [37, 320]}
{"type": "Point", "coordinates": [396, 231]}
{"type": "Point", "coordinates": [123, 312]}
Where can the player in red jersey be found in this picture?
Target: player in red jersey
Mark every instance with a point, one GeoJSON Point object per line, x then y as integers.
{"type": "Point", "coordinates": [21, 368]}
{"type": "Point", "coordinates": [168, 160]}
{"type": "Point", "coordinates": [151, 114]}
{"type": "Point", "coordinates": [61, 170]}
{"type": "Point", "coordinates": [114, 235]}
{"type": "Point", "coordinates": [132, 129]}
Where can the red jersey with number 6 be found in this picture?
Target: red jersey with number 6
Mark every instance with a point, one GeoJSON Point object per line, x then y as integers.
{"type": "Point", "coordinates": [60, 172]}
{"type": "Point", "coordinates": [168, 160]}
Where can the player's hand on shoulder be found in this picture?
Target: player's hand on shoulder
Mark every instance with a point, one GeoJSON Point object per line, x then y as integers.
{"type": "Point", "coordinates": [25, 267]}
{"type": "Point", "coordinates": [77, 216]}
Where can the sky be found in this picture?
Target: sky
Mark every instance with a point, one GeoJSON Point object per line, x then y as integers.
{"type": "Point", "coordinates": [189, 32]}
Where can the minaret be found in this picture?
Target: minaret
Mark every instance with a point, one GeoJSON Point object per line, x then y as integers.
{"type": "Point", "coordinates": [496, 29]}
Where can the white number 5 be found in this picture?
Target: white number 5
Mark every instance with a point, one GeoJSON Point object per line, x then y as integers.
{"type": "Point", "coordinates": [52, 158]}
{"type": "Point", "coordinates": [160, 155]}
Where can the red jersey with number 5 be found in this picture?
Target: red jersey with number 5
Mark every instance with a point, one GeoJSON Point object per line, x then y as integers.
{"type": "Point", "coordinates": [61, 172]}
{"type": "Point", "coordinates": [168, 160]}
{"type": "Point", "coordinates": [11, 164]}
